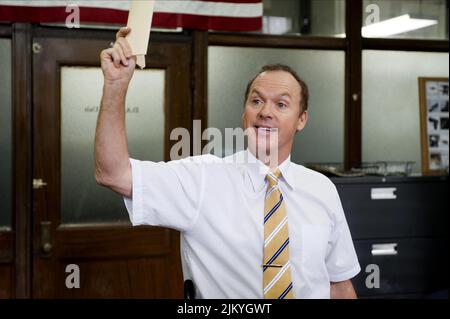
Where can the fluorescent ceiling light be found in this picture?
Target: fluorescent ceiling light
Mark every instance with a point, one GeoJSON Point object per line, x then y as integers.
{"type": "Point", "coordinates": [397, 25]}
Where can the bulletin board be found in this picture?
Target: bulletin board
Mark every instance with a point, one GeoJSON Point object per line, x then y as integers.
{"type": "Point", "coordinates": [434, 125]}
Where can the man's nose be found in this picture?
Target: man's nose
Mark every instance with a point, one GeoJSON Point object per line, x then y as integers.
{"type": "Point", "coordinates": [266, 110]}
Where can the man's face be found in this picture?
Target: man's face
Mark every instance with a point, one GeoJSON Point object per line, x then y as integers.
{"type": "Point", "coordinates": [273, 107]}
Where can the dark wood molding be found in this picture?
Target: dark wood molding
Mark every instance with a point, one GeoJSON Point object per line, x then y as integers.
{"type": "Point", "coordinates": [107, 34]}
{"type": "Point", "coordinates": [22, 156]}
{"type": "Point", "coordinates": [199, 79]}
{"type": "Point", "coordinates": [5, 31]}
{"type": "Point", "coordinates": [6, 280]}
{"type": "Point", "coordinates": [7, 244]}
{"type": "Point", "coordinates": [353, 84]}
{"type": "Point", "coordinates": [259, 40]}
{"type": "Point", "coordinates": [406, 45]}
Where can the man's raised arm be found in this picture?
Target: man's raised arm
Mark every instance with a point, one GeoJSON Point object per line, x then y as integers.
{"type": "Point", "coordinates": [112, 165]}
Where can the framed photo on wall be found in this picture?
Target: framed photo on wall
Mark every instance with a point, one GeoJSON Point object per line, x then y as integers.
{"type": "Point", "coordinates": [434, 125]}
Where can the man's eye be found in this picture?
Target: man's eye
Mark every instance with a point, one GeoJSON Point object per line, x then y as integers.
{"type": "Point", "coordinates": [256, 102]}
{"type": "Point", "coordinates": [282, 105]}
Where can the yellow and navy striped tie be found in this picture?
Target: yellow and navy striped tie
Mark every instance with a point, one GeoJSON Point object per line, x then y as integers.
{"type": "Point", "coordinates": [276, 265]}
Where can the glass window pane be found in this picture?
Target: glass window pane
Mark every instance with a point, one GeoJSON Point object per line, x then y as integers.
{"type": "Point", "coordinates": [390, 110]}
{"type": "Point", "coordinates": [304, 17]}
{"type": "Point", "coordinates": [405, 19]}
{"type": "Point", "coordinates": [5, 133]}
{"type": "Point", "coordinates": [81, 88]}
{"type": "Point", "coordinates": [323, 138]}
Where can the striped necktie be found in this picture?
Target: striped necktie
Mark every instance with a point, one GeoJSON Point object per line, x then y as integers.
{"type": "Point", "coordinates": [276, 265]}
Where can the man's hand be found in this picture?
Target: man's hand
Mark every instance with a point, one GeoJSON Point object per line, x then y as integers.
{"type": "Point", "coordinates": [118, 63]}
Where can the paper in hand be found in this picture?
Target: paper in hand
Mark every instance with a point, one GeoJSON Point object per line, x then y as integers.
{"type": "Point", "coordinates": [140, 21]}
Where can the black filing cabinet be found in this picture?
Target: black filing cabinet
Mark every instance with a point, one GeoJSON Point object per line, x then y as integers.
{"type": "Point", "coordinates": [399, 226]}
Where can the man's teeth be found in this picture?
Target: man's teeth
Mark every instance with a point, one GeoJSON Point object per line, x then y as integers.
{"type": "Point", "coordinates": [268, 129]}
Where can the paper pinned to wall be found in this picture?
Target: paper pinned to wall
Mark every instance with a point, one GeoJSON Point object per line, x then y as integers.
{"type": "Point", "coordinates": [140, 21]}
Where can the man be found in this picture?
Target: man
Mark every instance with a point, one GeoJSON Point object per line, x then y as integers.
{"type": "Point", "coordinates": [250, 228]}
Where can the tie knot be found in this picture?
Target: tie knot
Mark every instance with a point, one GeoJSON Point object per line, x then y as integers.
{"type": "Point", "coordinates": [273, 176]}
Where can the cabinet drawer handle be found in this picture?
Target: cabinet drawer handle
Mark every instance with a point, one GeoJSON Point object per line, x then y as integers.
{"type": "Point", "coordinates": [384, 249]}
{"type": "Point", "coordinates": [383, 193]}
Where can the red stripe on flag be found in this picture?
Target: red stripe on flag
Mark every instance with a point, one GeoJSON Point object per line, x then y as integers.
{"type": "Point", "coordinates": [59, 14]}
{"type": "Point", "coordinates": [234, 1]}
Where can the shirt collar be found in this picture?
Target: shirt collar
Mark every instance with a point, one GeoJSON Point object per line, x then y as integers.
{"type": "Point", "coordinates": [257, 171]}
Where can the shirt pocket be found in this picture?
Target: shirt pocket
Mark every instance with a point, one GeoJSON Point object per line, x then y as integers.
{"type": "Point", "coordinates": [314, 245]}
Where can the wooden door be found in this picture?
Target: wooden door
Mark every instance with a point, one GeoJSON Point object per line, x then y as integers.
{"type": "Point", "coordinates": [79, 227]}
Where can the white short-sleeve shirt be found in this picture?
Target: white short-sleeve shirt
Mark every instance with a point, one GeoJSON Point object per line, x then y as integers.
{"type": "Point", "coordinates": [218, 205]}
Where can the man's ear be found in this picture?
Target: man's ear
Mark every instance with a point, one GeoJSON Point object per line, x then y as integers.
{"type": "Point", "coordinates": [302, 119]}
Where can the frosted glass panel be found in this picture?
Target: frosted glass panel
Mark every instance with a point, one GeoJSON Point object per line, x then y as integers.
{"type": "Point", "coordinates": [390, 110]}
{"type": "Point", "coordinates": [81, 88]}
{"type": "Point", "coordinates": [230, 69]}
{"type": "Point", "coordinates": [5, 133]}
{"type": "Point", "coordinates": [304, 17]}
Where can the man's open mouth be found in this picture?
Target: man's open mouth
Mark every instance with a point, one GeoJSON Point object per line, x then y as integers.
{"type": "Point", "coordinates": [265, 129]}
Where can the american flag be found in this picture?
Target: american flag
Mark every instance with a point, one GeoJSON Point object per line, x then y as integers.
{"type": "Point", "coordinates": [221, 15]}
